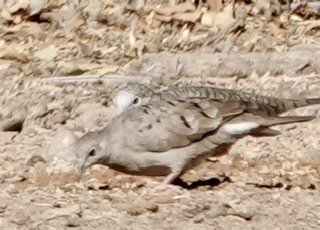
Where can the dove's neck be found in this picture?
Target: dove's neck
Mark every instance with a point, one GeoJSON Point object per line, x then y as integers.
{"type": "Point", "coordinates": [110, 145]}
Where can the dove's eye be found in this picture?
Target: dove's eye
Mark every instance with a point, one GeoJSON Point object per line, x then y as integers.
{"type": "Point", "coordinates": [136, 101]}
{"type": "Point", "coordinates": [92, 153]}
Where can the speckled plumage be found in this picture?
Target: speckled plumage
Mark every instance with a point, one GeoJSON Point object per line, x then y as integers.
{"type": "Point", "coordinates": [160, 135]}
{"type": "Point", "coordinates": [256, 104]}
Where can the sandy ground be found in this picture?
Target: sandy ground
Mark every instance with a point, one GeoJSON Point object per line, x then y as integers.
{"type": "Point", "coordinates": [269, 182]}
{"type": "Point", "coordinates": [262, 183]}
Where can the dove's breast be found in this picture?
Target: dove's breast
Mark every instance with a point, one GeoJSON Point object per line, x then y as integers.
{"type": "Point", "coordinates": [149, 163]}
{"type": "Point", "coordinates": [153, 170]}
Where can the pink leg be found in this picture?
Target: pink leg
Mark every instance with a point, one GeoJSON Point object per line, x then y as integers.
{"type": "Point", "coordinates": [168, 180]}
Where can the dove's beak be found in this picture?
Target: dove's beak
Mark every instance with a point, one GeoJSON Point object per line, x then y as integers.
{"type": "Point", "coordinates": [80, 170]}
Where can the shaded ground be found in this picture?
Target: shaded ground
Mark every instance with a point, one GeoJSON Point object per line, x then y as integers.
{"type": "Point", "coordinates": [262, 183]}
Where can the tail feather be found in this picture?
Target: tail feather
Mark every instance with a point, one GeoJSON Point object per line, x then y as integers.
{"type": "Point", "coordinates": [257, 125]}
{"type": "Point", "coordinates": [264, 131]}
{"type": "Point", "coordinates": [271, 121]}
{"type": "Point", "coordinates": [313, 101]}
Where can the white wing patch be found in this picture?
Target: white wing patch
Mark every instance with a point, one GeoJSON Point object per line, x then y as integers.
{"type": "Point", "coordinates": [123, 99]}
{"type": "Point", "coordinates": [240, 128]}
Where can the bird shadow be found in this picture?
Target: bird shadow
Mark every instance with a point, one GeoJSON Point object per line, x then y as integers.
{"type": "Point", "coordinates": [212, 182]}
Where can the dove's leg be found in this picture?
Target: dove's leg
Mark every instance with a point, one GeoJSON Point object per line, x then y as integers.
{"type": "Point", "coordinates": [169, 179]}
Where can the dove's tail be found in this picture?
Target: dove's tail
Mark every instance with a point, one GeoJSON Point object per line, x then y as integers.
{"type": "Point", "coordinates": [271, 121]}
{"type": "Point", "coordinates": [312, 101]}
{"type": "Point", "coordinates": [257, 125]}
{"type": "Point", "coordinates": [266, 131]}
{"type": "Point", "coordinates": [285, 104]}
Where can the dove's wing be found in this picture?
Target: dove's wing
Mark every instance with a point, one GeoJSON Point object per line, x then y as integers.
{"type": "Point", "coordinates": [165, 125]}
{"type": "Point", "coordinates": [256, 104]}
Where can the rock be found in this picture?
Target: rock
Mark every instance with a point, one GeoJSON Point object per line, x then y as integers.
{"type": "Point", "coordinates": [7, 137]}
{"type": "Point", "coordinates": [12, 124]}
{"type": "Point", "coordinates": [91, 116]}
{"type": "Point", "coordinates": [39, 110]}
{"type": "Point", "coordinates": [73, 221]}
{"type": "Point", "coordinates": [62, 212]}
{"type": "Point", "coordinates": [142, 207]}
{"type": "Point", "coordinates": [60, 146]}
{"type": "Point", "coordinates": [20, 218]}
{"type": "Point", "coordinates": [35, 159]}
{"type": "Point", "coordinates": [58, 118]}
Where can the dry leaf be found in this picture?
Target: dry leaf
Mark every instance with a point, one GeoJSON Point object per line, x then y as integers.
{"type": "Point", "coordinates": [13, 52]}
{"type": "Point", "coordinates": [312, 25]}
{"type": "Point", "coordinates": [214, 5]}
{"type": "Point", "coordinates": [146, 21]}
{"type": "Point", "coordinates": [77, 67]}
{"type": "Point", "coordinates": [47, 54]}
{"type": "Point", "coordinates": [107, 69]}
{"type": "Point", "coordinates": [187, 17]}
{"type": "Point", "coordinates": [132, 38]}
{"type": "Point", "coordinates": [222, 19]}
{"type": "Point", "coordinates": [5, 64]}
{"type": "Point", "coordinates": [277, 30]}
{"type": "Point", "coordinates": [137, 4]}
{"type": "Point", "coordinates": [229, 9]}
{"type": "Point", "coordinates": [208, 19]}
{"type": "Point", "coordinates": [27, 29]}
{"type": "Point", "coordinates": [297, 18]}
{"type": "Point", "coordinates": [14, 6]}
{"type": "Point", "coordinates": [5, 14]}
{"type": "Point", "coordinates": [185, 34]}
{"type": "Point", "coordinates": [180, 8]}
{"type": "Point", "coordinates": [163, 18]}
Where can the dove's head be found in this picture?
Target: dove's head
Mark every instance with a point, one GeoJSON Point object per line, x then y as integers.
{"type": "Point", "coordinates": [132, 95]}
{"type": "Point", "coordinates": [90, 149]}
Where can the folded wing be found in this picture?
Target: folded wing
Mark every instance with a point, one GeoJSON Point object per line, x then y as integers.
{"type": "Point", "coordinates": [164, 125]}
